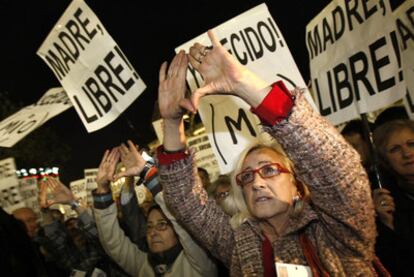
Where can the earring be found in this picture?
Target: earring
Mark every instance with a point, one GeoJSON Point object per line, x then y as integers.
{"type": "Point", "coordinates": [297, 204]}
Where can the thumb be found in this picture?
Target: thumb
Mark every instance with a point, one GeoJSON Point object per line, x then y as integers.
{"type": "Point", "coordinates": [188, 105]}
{"type": "Point", "coordinates": [198, 93]}
{"type": "Point", "coordinates": [120, 175]}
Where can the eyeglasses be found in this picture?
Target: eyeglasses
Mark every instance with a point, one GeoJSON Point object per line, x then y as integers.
{"type": "Point", "coordinates": [160, 226]}
{"type": "Point", "coordinates": [221, 195]}
{"type": "Point", "coordinates": [266, 171]}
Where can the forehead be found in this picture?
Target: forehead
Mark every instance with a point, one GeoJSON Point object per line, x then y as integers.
{"type": "Point", "coordinates": [261, 155]}
{"type": "Point", "coordinates": [155, 215]}
{"type": "Point", "coordinates": [400, 136]}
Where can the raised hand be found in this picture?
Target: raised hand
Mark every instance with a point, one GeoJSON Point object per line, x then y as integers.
{"type": "Point", "coordinates": [61, 194]}
{"type": "Point", "coordinates": [384, 206]}
{"type": "Point", "coordinates": [43, 201]}
{"type": "Point", "coordinates": [223, 74]}
{"type": "Point", "coordinates": [172, 88]}
{"type": "Point", "coordinates": [131, 159]}
{"type": "Point", "coordinates": [106, 170]}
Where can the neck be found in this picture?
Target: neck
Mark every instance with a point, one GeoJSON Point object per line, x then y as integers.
{"type": "Point", "coordinates": [407, 184]}
{"type": "Point", "coordinates": [275, 226]}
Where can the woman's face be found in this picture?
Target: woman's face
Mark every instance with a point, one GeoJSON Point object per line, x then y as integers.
{"type": "Point", "coordinates": [160, 234]}
{"type": "Point", "coordinates": [267, 198]}
{"type": "Point", "coordinates": [400, 152]}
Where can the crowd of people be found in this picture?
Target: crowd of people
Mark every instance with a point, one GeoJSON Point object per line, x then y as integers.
{"type": "Point", "coordinates": [310, 203]}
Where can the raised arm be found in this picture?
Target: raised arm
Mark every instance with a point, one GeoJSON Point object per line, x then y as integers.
{"type": "Point", "coordinates": [182, 187]}
{"type": "Point", "coordinates": [115, 243]}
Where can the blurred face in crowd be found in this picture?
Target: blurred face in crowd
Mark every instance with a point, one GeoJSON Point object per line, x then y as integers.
{"type": "Point", "coordinates": [29, 218]}
{"type": "Point", "coordinates": [267, 198]}
{"type": "Point", "coordinates": [359, 144]}
{"type": "Point", "coordinates": [160, 234]}
{"type": "Point", "coordinates": [72, 227]}
{"type": "Point", "coordinates": [221, 192]}
{"type": "Point", "coordinates": [400, 152]}
{"type": "Point", "coordinates": [205, 179]}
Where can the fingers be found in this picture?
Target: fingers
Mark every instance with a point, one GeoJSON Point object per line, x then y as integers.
{"type": "Point", "coordinates": [188, 105]}
{"type": "Point", "coordinates": [175, 63]}
{"type": "Point", "coordinates": [198, 93]}
{"type": "Point", "coordinates": [132, 146]}
{"type": "Point", "coordinates": [120, 175]}
{"type": "Point", "coordinates": [105, 156]}
{"type": "Point", "coordinates": [194, 63]}
{"type": "Point", "coordinates": [182, 66]}
{"type": "Point", "coordinates": [123, 149]}
{"type": "Point", "coordinates": [163, 69]}
{"type": "Point", "coordinates": [214, 40]}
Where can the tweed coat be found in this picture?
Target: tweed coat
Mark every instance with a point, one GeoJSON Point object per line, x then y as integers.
{"type": "Point", "coordinates": [339, 220]}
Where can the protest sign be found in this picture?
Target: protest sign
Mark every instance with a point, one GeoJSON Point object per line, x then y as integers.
{"type": "Point", "coordinates": [78, 188]}
{"type": "Point", "coordinates": [99, 80]}
{"type": "Point", "coordinates": [354, 59]}
{"type": "Point", "coordinates": [256, 41]}
{"type": "Point", "coordinates": [17, 126]}
{"type": "Point", "coordinates": [10, 198]}
{"type": "Point", "coordinates": [204, 155]}
{"type": "Point", "coordinates": [90, 183]}
{"type": "Point", "coordinates": [404, 21]}
{"type": "Point", "coordinates": [30, 193]}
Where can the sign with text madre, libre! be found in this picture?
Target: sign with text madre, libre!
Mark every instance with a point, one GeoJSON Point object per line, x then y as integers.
{"type": "Point", "coordinates": [99, 80]}
{"type": "Point", "coordinates": [354, 59]}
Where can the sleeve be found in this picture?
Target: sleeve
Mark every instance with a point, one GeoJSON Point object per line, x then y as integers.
{"type": "Point", "coordinates": [134, 222]}
{"type": "Point", "coordinates": [57, 242]}
{"type": "Point", "coordinates": [331, 169]}
{"type": "Point", "coordinates": [118, 246]}
{"type": "Point", "coordinates": [188, 201]}
{"type": "Point", "coordinates": [196, 255]}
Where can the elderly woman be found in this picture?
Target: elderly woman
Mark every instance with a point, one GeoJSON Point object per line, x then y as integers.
{"type": "Point", "coordinates": [332, 234]}
{"type": "Point", "coordinates": [171, 250]}
{"type": "Point", "coordinates": [394, 141]}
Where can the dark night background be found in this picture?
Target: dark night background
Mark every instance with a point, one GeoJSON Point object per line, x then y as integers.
{"type": "Point", "coordinates": [147, 32]}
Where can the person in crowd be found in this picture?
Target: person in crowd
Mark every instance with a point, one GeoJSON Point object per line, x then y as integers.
{"type": "Point", "coordinates": [221, 192]}
{"type": "Point", "coordinates": [205, 178]}
{"type": "Point", "coordinates": [21, 254]}
{"type": "Point", "coordinates": [390, 114]}
{"type": "Point", "coordinates": [353, 133]}
{"type": "Point", "coordinates": [394, 203]}
{"type": "Point", "coordinates": [330, 231]}
{"type": "Point", "coordinates": [29, 218]}
{"type": "Point", "coordinates": [172, 252]}
{"type": "Point", "coordinates": [74, 245]}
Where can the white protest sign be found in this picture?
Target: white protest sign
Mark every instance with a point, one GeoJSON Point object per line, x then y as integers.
{"type": "Point", "coordinates": [100, 81]}
{"type": "Point", "coordinates": [354, 64]}
{"type": "Point", "coordinates": [29, 191]}
{"type": "Point", "coordinates": [404, 19]}
{"type": "Point", "coordinates": [204, 155]}
{"type": "Point", "coordinates": [17, 126]}
{"type": "Point", "coordinates": [10, 198]}
{"type": "Point", "coordinates": [255, 40]}
{"type": "Point", "coordinates": [78, 188]}
{"type": "Point", "coordinates": [157, 125]}
{"type": "Point", "coordinates": [90, 183]}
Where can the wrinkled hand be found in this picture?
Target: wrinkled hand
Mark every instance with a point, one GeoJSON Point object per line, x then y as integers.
{"type": "Point", "coordinates": [221, 71]}
{"type": "Point", "coordinates": [43, 201]}
{"type": "Point", "coordinates": [106, 170]}
{"type": "Point", "coordinates": [384, 206]}
{"type": "Point", "coordinates": [61, 194]}
{"type": "Point", "coordinates": [131, 159]}
{"type": "Point", "coordinates": [172, 88]}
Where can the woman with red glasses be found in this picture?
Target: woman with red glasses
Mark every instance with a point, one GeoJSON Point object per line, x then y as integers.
{"type": "Point", "coordinates": [331, 235]}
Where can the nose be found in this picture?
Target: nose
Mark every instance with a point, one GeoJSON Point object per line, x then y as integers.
{"type": "Point", "coordinates": [258, 182]}
{"type": "Point", "coordinates": [407, 152]}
